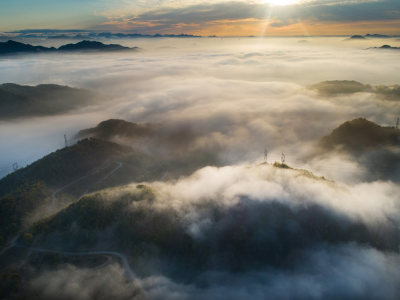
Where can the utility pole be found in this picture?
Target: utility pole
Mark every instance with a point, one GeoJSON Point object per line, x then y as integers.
{"type": "Point", "coordinates": [66, 140]}
{"type": "Point", "coordinates": [265, 155]}
{"type": "Point", "coordinates": [283, 158]}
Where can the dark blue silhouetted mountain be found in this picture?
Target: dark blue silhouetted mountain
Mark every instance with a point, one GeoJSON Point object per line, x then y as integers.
{"type": "Point", "coordinates": [12, 47]}
{"type": "Point", "coordinates": [386, 47]}
{"type": "Point", "coordinates": [93, 46]}
{"type": "Point", "coordinates": [389, 47]}
{"type": "Point", "coordinates": [376, 35]}
{"type": "Point", "coordinates": [357, 37]}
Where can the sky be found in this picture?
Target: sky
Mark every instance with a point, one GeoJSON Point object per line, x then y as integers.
{"type": "Point", "coordinates": [206, 17]}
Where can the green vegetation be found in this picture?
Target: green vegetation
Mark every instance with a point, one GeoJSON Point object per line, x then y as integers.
{"type": "Point", "coordinates": [281, 165]}
{"type": "Point", "coordinates": [125, 223]}
{"type": "Point", "coordinates": [17, 207]}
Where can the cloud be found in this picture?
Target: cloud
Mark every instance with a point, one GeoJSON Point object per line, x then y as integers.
{"type": "Point", "coordinates": [204, 13]}
{"type": "Point", "coordinates": [71, 282]}
{"type": "Point", "coordinates": [325, 273]}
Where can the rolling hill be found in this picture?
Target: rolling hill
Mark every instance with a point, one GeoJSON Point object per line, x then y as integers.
{"type": "Point", "coordinates": [18, 101]}
{"type": "Point", "coordinates": [374, 147]}
{"type": "Point", "coordinates": [361, 134]}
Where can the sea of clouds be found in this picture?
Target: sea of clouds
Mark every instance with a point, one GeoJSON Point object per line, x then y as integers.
{"type": "Point", "coordinates": [236, 97]}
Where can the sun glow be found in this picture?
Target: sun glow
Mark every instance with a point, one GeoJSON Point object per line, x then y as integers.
{"type": "Point", "coordinates": [282, 2]}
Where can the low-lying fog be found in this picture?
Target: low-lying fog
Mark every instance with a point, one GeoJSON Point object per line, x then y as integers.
{"type": "Point", "coordinates": [243, 94]}
{"type": "Point", "coordinates": [236, 97]}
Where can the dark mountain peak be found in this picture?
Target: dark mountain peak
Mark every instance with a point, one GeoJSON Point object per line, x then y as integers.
{"type": "Point", "coordinates": [376, 35]}
{"type": "Point", "coordinates": [357, 37]}
{"type": "Point", "coordinates": [92, 45]}
{"type": "Point", "coordinates": [115, 122]}
{"type": "Point", "coordinates": [360, 134]}
{"type": "Point", "coordinates": [112, 128]}
{"type": "Point", "coordinates": [386, 47]}
{"type": "Point", "coordinates": [11, 42]}
{"type": "Point", "coordinates": [13, 47]}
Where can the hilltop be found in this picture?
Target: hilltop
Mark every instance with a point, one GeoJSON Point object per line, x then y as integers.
{"type": "Point", "coordinates": [360, 134]}
{"type": "Point", "coordinates": [339, 87]}
{"type": "Point", "coordinates": [112, 128]}
{"type": "Point", "coordinates": [335, 88]}
{"type": "Point", "coordinates": [357, 37]}
{"type": "Point", "coordinates": [93, 46]}
{"type": "Point", "coordinates": [374, 147]}
{"type": "Point", "coordinates": [386, 47]}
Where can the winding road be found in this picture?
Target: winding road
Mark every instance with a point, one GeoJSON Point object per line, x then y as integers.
{"type": "Point", "coordinates": [124, 260]}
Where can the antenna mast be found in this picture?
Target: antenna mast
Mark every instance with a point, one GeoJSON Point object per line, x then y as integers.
{"type": "Point", "coordinates": [66, 140]}
{"type": "Point", "coordinates": [265, 155]}
{"type": "Point", "coordinates": [283, 158]}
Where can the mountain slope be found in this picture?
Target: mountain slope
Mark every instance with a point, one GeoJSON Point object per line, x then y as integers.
{"type": "Point", "coordinates": [65, 165]}
{"type": "Point", "coordinates": [74, 169]}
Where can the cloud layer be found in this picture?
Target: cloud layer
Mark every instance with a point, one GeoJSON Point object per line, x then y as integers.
{"type": "Point", "coordinates": [233, 96]}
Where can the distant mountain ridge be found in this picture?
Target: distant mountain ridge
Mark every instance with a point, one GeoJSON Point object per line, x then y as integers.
{"type": "Point", "coordinates": [87, 34]}
{"type": "Point", "coordinates": [369, 35]}
{"type": "Point", "coordinates": [17, 101]}
{"type": "Point", "coordinates": [10, 47]}
{"type": "Point", "coordinates": [13, 47]}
